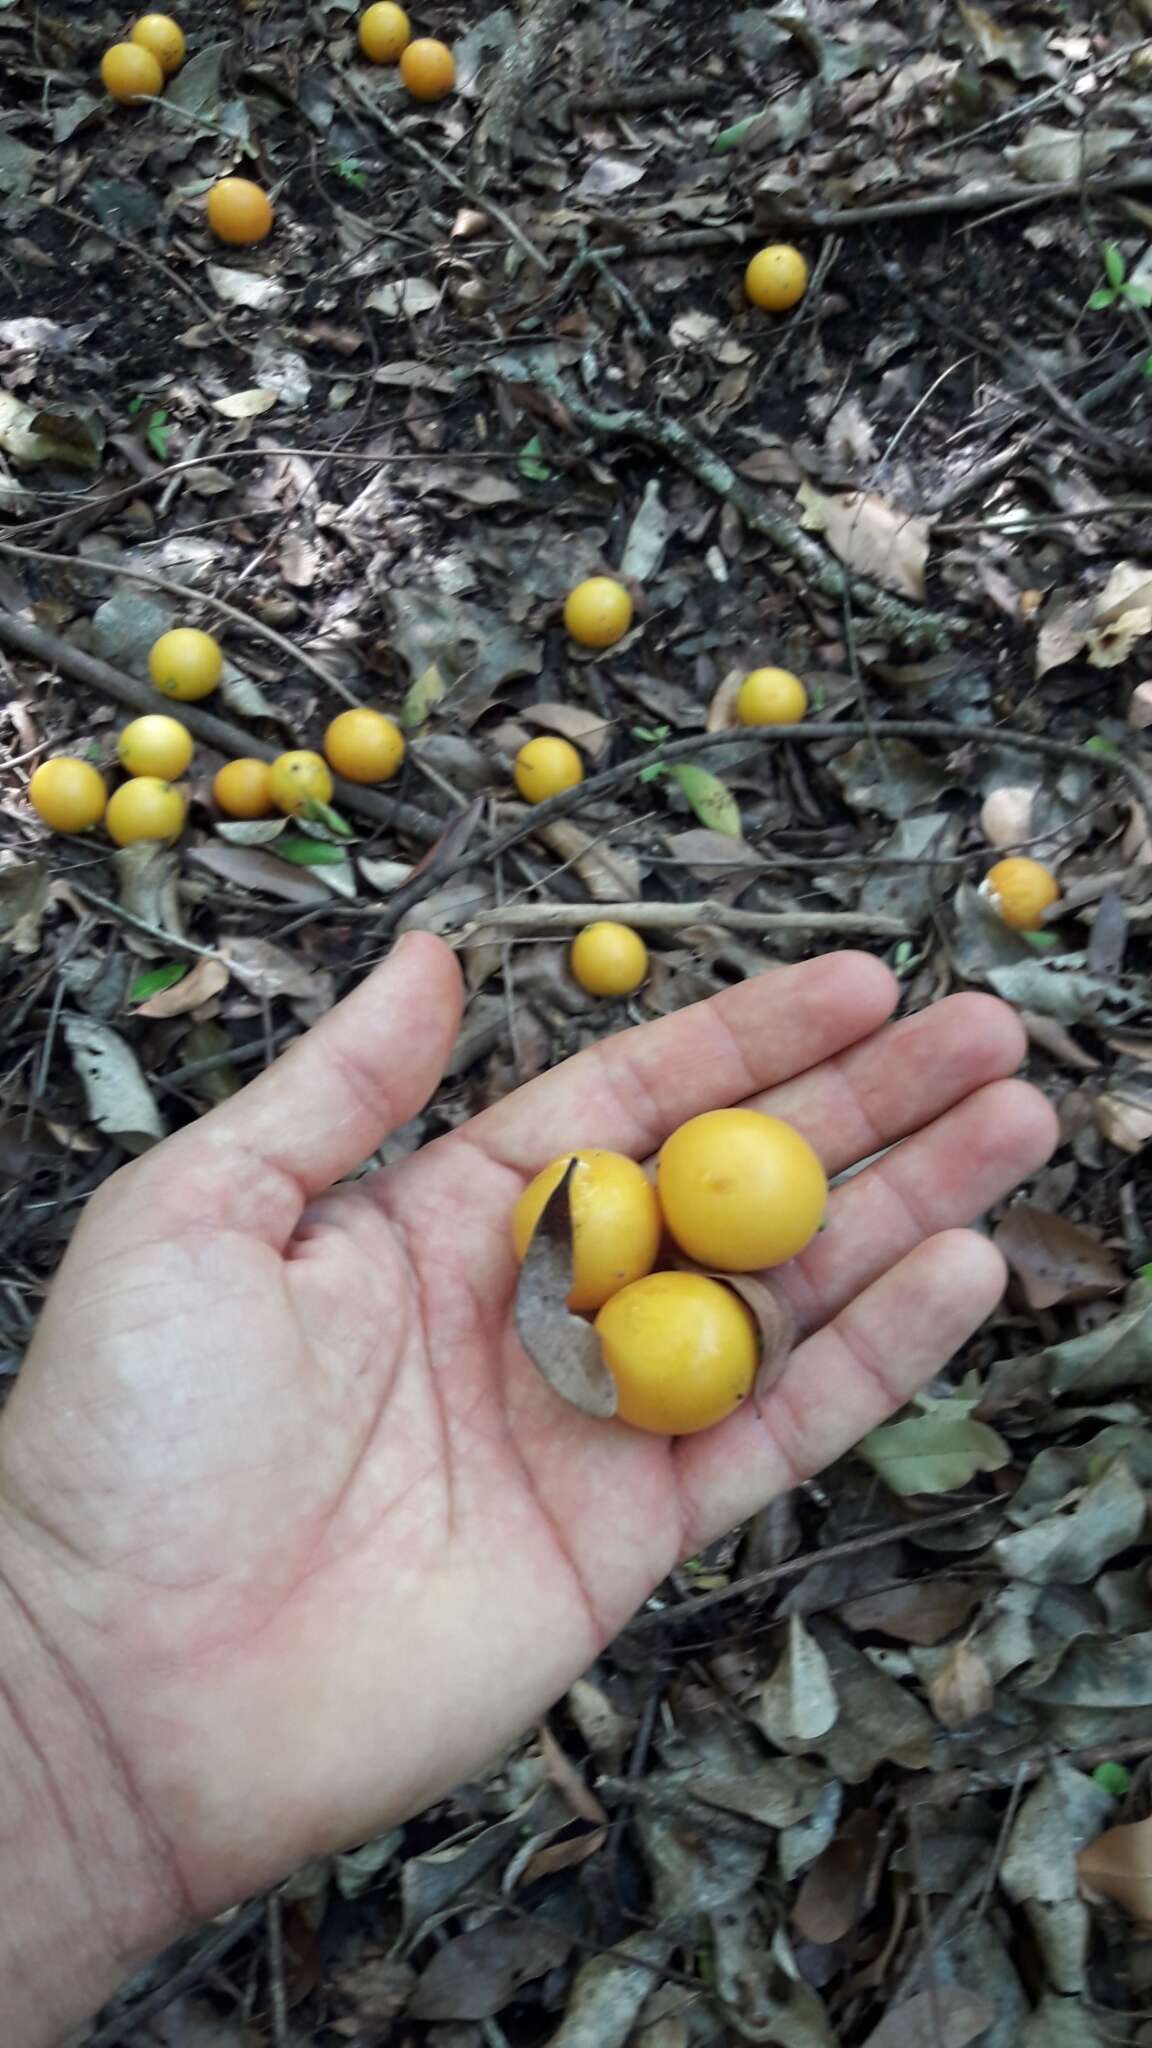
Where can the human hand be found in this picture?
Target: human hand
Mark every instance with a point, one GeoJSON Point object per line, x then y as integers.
{"type": "Point", "coordinates": [294, 1513]}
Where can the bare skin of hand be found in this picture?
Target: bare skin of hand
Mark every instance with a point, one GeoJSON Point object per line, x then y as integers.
{"type": "Point", "coordinates": [301, 1525]}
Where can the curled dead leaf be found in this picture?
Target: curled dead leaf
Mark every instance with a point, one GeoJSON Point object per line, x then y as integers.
{"type": "Point", "coordinates": [201, 982]}
{"type": "Point", "coordinates": [1118, 1866]}
{"type": "Point", "coordinates": [564, 1347]}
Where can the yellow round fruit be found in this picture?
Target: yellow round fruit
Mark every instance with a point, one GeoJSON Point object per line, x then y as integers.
{"type": "Point", "coordinates": [163, 37]}
{"type": "Point", "coordinates": [428, 69]}
{"type": "Point", "coordinates": [186, 664]}
{"type": "Point", "coordinates": [155, 745]}
{"type": "Point", "coordinates": [239, 212]}
{"type": "Point", "coordinates": [145, 808]}
{"type": "Point", "coordinates": [776, 277]}
{"type": "Point", "coordinates": [298, 779]}
{"type": "Point", "coordinates": [546, 766]}
{"type": "Point", "coordinates": [130, 73]}
{"type": "Point", "coordinates": [682, 1349]}
{"type": "Point", "coordinates": [608, 959]}
{"type": "Point", "coordinates": [242, 788]}
{"type": "Point", "coordinates": [1021, 890]}
{"type": "Point", "coordinates": [364, 746]}
{"type": "Point", "coordinates": [740, 1190]}
{"type": "Point", "coordinates": [616, 1223]}
{"type": "Point", "coordinates": [385, 32]}
{"type": "Point", "coordinates": [771, 696]}
{"type": "Point", "coordinates": [67, 794]}
{"type": "Point", "coordinates": [598, 612]}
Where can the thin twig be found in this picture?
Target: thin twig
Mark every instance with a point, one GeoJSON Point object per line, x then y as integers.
{"type": "Point", "coordinates": [98, 227]}
{"type": "Point", "coordinates": [637, 99]}
{"type": "Point", "coordinates": [673, 917]}
{"type": "Point", "coordinates": [203, 1959]}
{"type": "Point", "coordinates": [950, 1785]}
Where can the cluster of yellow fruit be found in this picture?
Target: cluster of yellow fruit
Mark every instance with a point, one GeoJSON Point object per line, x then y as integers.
{"type": "Point", "coordinates": [70, 795]}
{"type": "Point", "coordinates": [736, 1191]}
{"type": "Point", "coordinates": [137, 70]}
{"type": "Point", "coordinates": [427, 67]}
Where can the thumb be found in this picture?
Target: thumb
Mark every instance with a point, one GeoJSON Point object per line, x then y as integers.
{"type": "Point", "coordinates": [321, 1109]}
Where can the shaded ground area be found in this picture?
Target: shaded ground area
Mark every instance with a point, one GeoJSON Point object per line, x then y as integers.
{"type": "Point", "coordinates": [833, 1784]}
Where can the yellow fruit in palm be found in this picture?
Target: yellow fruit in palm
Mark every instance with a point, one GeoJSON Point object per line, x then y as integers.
{"type": "Point", "coordinates": [608, 959]}
{"type": "Point", "coordinates": [155, 745]}
{"type": "Point", "coordinates": [186, 664]}
{"type": "Point", "coordinates": [771, 696]}
{"type": "Point", "coordinates": [129, 73]}
{"type": "Point", "coordinates": [68, 795]}
{"type": "Point", "coordinates": [163, 37]}
{"type": "Point", "coordinates": [615, 1222]}
{"type": "Point", "coordinates": [546, 766]}
{"type": "Point", "coordinates": [299, 779]}
{"type": "Point", "coordinates": [145, 808]}
{"type": "Point", "coordinates": [598, 612]}
{"type": "Point", "coordinates": [682, 1349]}
{"type": "Point", "coordinates": [1021, 890]}
{"type": "Point", "coordinates": [239, 212]}
{"type": "Point", "coordinates": [242, 788]}
{"type": "Point", "coordinates": [364, 745]}
{"type": "Point", "coordinates": [740, 1190]}
{"type": "Point", "coordinates": [428, 69]}
{"type": "Point", "coordinates": [385, 32]}
{"type": "Point", "coordinates": [776, 277]}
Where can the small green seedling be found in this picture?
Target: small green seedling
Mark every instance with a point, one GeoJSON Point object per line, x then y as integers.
{"type": "Point", "coordinates": [349, 168]}
{"type": "Point", "coordinates": [1118, 290]}
{"type": "Point", "coordinates": [156, 428]}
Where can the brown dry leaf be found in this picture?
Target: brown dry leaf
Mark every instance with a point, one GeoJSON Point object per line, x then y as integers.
{"type": "Point", "coordinates": [583, 728]}
{"type": "Point", "coordinates": [564, 1347]}
{"type": "Point", "coordinates": [564, 1855]}
{"type": "Point", "coordinates": [722, 708]}
{"type": "Point", "coordinates": [871, 536]}
{"type": "Point", "coordinates": [775, 1321]}
{"type": "Point", "coordinates": [771, 465]}
{"type": "Point", "coordinates": [569, 1779]}
{"type": "Point", "coordinates": [1066, 626]}
{"type": "Point", "coordinates": [962, 1689]}
{"type": "Point", "coordinates": [204, 980]}
{"type": "Point", "coordinates": [608, 875]}
{"type": "Point", "coordinates": [249, 867]}
{"type": "Point", "coordinates": [923, 1613]}
{"type": "Point", "coordinates": [1055, 1260]}
{"type": "Point", "coordinates": [1052, 1038]}
{"type": "Point", "coordinates": [268, 970]}
{"type": "Point", "coordinates": [1118, 1866]}
{"type": "Point", "coordinates": [833, 1890]}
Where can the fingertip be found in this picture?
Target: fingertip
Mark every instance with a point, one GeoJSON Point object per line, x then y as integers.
{"type": "Point", "coordinates": [424, 953]}
{"type": "Point", "coordinates": [993, 1025]}
{"type": "Point", "coordinates": [864, 981]}
{"type": "Point", "coordinates": [965, 1262]}
{"type": "Point", "coordinates": [1026, 1122]}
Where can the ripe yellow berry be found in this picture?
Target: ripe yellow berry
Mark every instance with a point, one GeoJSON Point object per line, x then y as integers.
{"type": "Point", "coordinates": [1021, 890]}
{"type": "Point", "coordinates": [598, 612]}
{"type": "Point", "coordinates": [242, 788]}
{"type": "Point", "coordinates": [682, 1349]}
{"type": "Point", "coordinates": [776, 277]}
{"type": "Point", "coordinates": [546, 766]}
{"type": "Point", "coordinates": [68, 795]}
{"type": "Point", "coordinates": [364, 745]}
{"type": "Point", "coordinates": [428, 69]}
{"type": "Point", "coordinates": [130, 73]}
{"type": "Point", "coordinates": [771, 696]}
{"type": "Point", "coordinates": [608, 959]}
{"type": "Point", "coordinates": [163, 37]}
{"type": "Point", "coordinates": [239, 212]}
{"type": "Point", "coordinates": [740, 1190]}
{"type": "Point", "coordinates": [616, 1222]}
{"type": "Point", "coordinates": [385, 32]}
{"type": "Point", "coordinates": [185, 664]}
{"type": "Point", "coordinates": [145, 808]}
{"type": "Point", "coordinates": [299, 779]}
{"type": "Point", "coordinates": [155, 745]}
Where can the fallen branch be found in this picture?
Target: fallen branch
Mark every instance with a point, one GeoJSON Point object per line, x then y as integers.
{"type": "Point", "coordinates": [637, 99]}
{"type": "Point", "coordinates": [672, 917]}
{"type": "Point", "coordinates": [513, 87]}
{"type": "Point", "coordinates": [1011, 1770]}
{"type": "Point", "coordinates": [22, 638]}
{"type": "Point", "coordinates": [911, 625]}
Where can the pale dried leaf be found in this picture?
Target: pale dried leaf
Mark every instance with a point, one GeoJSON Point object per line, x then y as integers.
{"type": "Point", "coordinates": [118, 1098]}
{"type": "Point", "coordinates": [1048, 156]}
{"type": "Point", "coordinates": [1074, 1548]}
{"type": "Point", "coordinates": [564, 1347]}
{"type": "Point", "coordinates": [266, 969]}
{"type": "Point", "coordinates": [798, 1704]}
{"type": "Point", "coordinates": [961, 1689]}
{"type": "Point", "coordinates": [606, 175]}
{"type": "Point", "coordinates": [246, 288]}
{"type": "Point", "coordinates": [1118, 1866]}
{"type": "Point", "coordinates": [403, 297]}
{"type": "Point", "coordinates": [1124, 1119]}
{"type": "Point", "coordinates": [869, 535]}
{"type": "Point", "coordinates": [246, 405]}
{"type": "Point", "coordinates": [608, 875]}
{"type": "Point", "coordinates": [584, 728]}
{"type": "Point", "coordinates": [204, 980]}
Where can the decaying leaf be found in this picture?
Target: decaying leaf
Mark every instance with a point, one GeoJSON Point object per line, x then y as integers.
{"type": "Point", "coordinates": [118, 1097]}
{"type": "Point", "coordinates": [1074, 1547]}
{"type": "Point", "coordinates": [962, 1689]}
{"type": "Point", "coordinates": [1118, 1866]}
{"type": "Point", "coordinates": [23, 900]}
{"type": "Point", "coordinates": [564, 1347]}
{"type": "Point", "coordinates": [869, 535]}
{"type": "Point", "coordinates": [474, 1975]}
{"type": "Point", "coordinates": [1063, 1812]}
{"type": "Point", "coordinates": [1055, 1260]}
{"type": "Point", "coordinates": [798, 1703]}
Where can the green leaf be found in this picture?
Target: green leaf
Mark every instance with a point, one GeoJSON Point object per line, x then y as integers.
{"type": "Point", "coordinates": [529, 463]}
{"type": "Point", "coordinates": [316, 813]}
{"type": "Point", "coordinates": [711, 799]}
{"type": "Point", "coordinates": [348, 168]}
{"type": "Point", "coordinates": [1043, 942]}
{"type": "Point", "coordinates": [311, 853]}
{"type": "Point", "coordinates": [157, 434]}
{"type": "Point", "coordinates": [1115, 268]}
{"type": "Point", "coordinates": [935, 1452]}
{"type": "Point", "coordinates": [423, 697]}
{"type": "Point", "coordinates": [1107, 749]}
{"type": "Point", "coordinates": [136, 404]}
{"type": "Point", "coordinates": [1136, 294]}
{"type": "Point", "coordinates": [1101, 297]}
{"type": "Point", "coordinates": [156, 980]}
{"type": "Point", "coordinates": [651, 734]}
{"type": "Point", "coordinates": [731, 138]}
{"type": "Point", "coordinates": [1147, 366]}
{"type": "Point", "coordinates": [653, 772]}
{"type": "Point", "coordinates": [1112, 1778]}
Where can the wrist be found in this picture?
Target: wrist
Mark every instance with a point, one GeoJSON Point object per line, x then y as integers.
{"type": "Point", "coordinates": [86, 1891]}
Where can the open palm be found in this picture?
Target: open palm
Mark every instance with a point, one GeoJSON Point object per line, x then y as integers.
{"type": "Point", "coordinates": [278, 1482]}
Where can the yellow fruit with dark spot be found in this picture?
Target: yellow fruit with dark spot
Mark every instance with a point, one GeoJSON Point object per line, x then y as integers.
{"type": "Point", "coordinates": [385, 32]}
{"type": "Point", "coordinates": [145, 808]}
{"type": "Point", "coordinates": [682, 1349]}
{"type": "Point", "coordinates": [776, 277]}
{"type": "Point", "coordinates": [598, 612]}
{"type": "Point", "coordinates": [67, 794]}
{"type": "Point", "coordinates": [615, 1222]}
{"type": "Point", "coordinates": [1021, 890]}
{"type": "Point", "coordinates": [186, 664]}
{"type": "Point", "coordinates": [428, 69]}
{"type": "Point", "coordinates": [771, 696]}
{"type": "Point", "coordinates": [364, 745]}
{"type": "Point", "coordinates": [163, 37]}
{"type": "Point", "coordinates": [298, 780]}
{"type": "Point", "coordinates": [239, 212]}
{"type": "Point", "coordinates": [608, 959]}
{"type": "Point", "coordinates": [243, 789]}
{"type": "Point", "coordinates": [546, 766]}
{"type": "Point", "coordinates": [155, 745]}
{"type": "Point", "coordinates": [740, 1190]}
{"type": "Point", "coordinates": [130, 73]}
